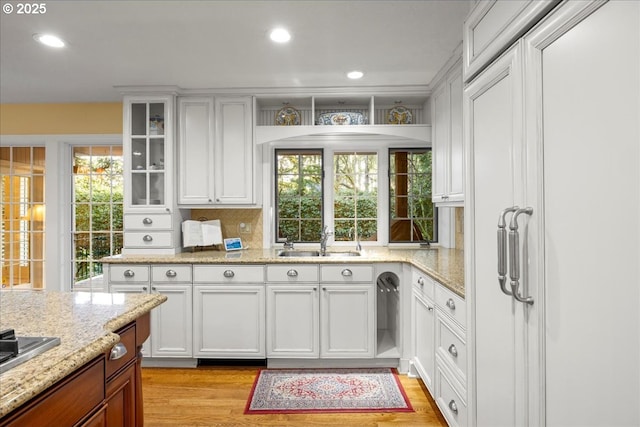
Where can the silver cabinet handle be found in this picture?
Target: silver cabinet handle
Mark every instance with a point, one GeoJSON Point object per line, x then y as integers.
{"type": "Point", "coordinates": [502, 249]}
{"type": "Point", "coordinates": [117, 351]}
{"type": "Point", "coordinates": [129, 273]}
{"type": "Point", "coordinates": [228, 273]}
{"type": "Point", "coordinates": [171, 273]}
{"type": "Point", "coordinates": [144, 289]}
{"type": "Point", "coordinates": [147, 238]}
{"type": "Point", "coordinates": [292, 273]}
{"type": "Point", "coordinates": [451, 304]}
{"type": "Point", "coordinates": [347, 273]}
{"type": "Point", "coordinates": [429, 308]}
{"type": "Point", "coordinates": [453, 407]}
{"type": "Point", "coordinates": [147, 221]}
{"type": "Point", "coordinates": [154, 289]}
{"type": "Point", "coordinates": [421, 281]}
{"type": "Point", "coordinates": [453, 350]}
{"type": "Point", "coordinates": [514, 256]}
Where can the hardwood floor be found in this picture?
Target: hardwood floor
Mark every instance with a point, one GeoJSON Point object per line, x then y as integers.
{"type": "Point", "coordinates": [217, 395]}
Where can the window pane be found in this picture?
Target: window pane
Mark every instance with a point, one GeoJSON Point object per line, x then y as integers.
{"type": "Point", "coordinates": [98, 212]}
{"type": "Point", "coordinates": [299, 195]}
{"type": "Point", "coordinates": [355, 199]}
{"type": "Point", "coordinates": [411, 211]}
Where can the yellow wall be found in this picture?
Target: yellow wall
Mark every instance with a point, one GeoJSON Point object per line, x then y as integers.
{"type": "Point", "coordinates": [61, 119]}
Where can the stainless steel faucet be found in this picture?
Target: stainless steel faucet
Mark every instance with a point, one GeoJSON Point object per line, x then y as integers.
{"type": "Point", "coordinates": [354, 235]}
{"type": "Point", "coordinates": [324, 236]}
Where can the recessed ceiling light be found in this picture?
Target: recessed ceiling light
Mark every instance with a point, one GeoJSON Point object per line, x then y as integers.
{"type": "Point", "coordinates": [280, 35]}
{"type": "Point", "coordinates": [355, 75]}
{"type": "Point", "coordinates": [49, 40]}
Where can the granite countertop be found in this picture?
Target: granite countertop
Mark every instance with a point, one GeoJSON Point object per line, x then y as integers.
{"type": "Point", "coordinates": [444, 265]}
{"type": "Point", "coordinates": [83, 321]}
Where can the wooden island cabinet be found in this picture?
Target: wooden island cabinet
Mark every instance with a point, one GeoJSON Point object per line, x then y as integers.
{"type": "Point", "coordinates": [104, 391]}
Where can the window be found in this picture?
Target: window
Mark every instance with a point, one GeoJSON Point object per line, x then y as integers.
{"type": "Point", "coordinates": [412, 214]}
{"type": "Point", "coordinates": [97, 212]}
{"type": "Point", "coordinates": [299, 195]}
{"type": "Point", "coordinates": [355, 192]}
{"type": "Point", "coordinates": [22, 229]}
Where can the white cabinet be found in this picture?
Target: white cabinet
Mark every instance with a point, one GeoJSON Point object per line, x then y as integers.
{"type": "Point", "coordinates": [334, 318]}
{"type": "Point", "coordinates": [448, 150]}
{"type": "Point", "coordinates": [148, 140]}
{"type": "Point", "coordinates": [229, 311]}
{"type": "Point", "coordinates": [423, 327]}
{"type": "Point", "coordinates": [171, 321]}
{"type": "Point", "coordinates": [492, 26]}
{"type": "Point", "coordinates": [539, 363]}
{"type": "Point", "coordinates": [216, 151]}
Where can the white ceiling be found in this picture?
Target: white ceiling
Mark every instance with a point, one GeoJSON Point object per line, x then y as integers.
{"type": "Point", "coordinates": [223, 44]}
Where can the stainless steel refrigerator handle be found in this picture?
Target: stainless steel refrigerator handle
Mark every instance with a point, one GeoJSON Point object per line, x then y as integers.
{"type": "Point", "coordinates": [514, 256]}
{"type": "Point", "coordinates": [502, 249]}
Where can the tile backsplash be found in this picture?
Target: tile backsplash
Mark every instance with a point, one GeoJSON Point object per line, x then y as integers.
{"type": "Point", "coordinates": [231, 219]}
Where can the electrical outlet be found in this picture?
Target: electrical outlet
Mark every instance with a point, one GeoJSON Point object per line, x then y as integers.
{"type": "Point", "coordinates": [244, 228]}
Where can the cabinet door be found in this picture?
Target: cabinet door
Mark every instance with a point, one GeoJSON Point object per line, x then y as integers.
{"type": "Point", "coordinates": [493, 105]}
{"type": "Point", "coordinates": [590, 146]}
{"type": "Point", "coordinates": [195, 151]}
{"type": "Point", "coordinates": [135, 289]}
{"type": "Point", "coordinates": [455, 175]}
{"type": "Point", "coordinates": [234, 150]}
{"type": "Point", "coordinates": [347, 325]}
{"type": "Point", "coordinates": [423, 338]}
{"type": "Point", "coordinates": [292, 321]}
{"type": "Point", "coordinates": [171, 331]}
{"type": "Point", "coordinates": [121, 398]}
{"type": "Point", "coordinates": [229, 321]}
{"type": "Point", "coordinates": [440, 106]}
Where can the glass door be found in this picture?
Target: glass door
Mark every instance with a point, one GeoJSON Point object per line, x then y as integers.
{"type": "Point", "coordinates": [147, 153]}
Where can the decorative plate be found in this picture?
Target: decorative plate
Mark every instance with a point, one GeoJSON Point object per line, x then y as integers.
{"type": "Point", "coordinates": [288, 116]}
{"type": "Point", "coordinates": [399, 116]}
{"type": "Point", "coordinates": [341, 118]}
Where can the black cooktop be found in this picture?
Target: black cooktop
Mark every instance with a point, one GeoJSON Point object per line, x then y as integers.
{"type": "Point", "coordinates": [16, 350]}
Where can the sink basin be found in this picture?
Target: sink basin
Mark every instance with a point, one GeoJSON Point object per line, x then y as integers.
{"type": "Point", "coordinates": [292, 254]}
{"type": "Point", "coordinates": [342, 254]}
{"type": "Point", "coordinates": [296, 253]}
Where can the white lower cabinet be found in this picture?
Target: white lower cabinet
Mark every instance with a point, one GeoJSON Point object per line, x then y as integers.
{"type": "Point", "coordinates": [423, 320]}
{"type": "Point", "coordinates": [307, 318]}
{"type": "Point", "coordinates": [439, 345]}
{"type": "Point", "coordinates": [229, 312]}
{"type": "Point", "coordinates": [171, 322]}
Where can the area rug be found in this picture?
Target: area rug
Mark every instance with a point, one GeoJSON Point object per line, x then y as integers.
{"type": "Point", "coordinates": [287, 391]}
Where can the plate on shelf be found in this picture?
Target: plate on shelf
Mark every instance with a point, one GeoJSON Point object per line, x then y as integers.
{"type": "Point", "coordinates": [341, 118]}
{"type": "Point", "coordinates": [287, 116]}
{"type": "Point", "coordinates": [399, 116]}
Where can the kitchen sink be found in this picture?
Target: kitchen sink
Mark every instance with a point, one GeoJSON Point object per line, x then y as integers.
{"type": "Point", "coordinates": [296, 253]}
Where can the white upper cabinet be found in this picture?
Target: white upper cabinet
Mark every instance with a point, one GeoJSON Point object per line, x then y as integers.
{"type": "Point", "coordinates": [492, 26]}
{"type": "Point", "coordinates": [216, 151]}
{"type": "Point", "coordinates": [448, 150]}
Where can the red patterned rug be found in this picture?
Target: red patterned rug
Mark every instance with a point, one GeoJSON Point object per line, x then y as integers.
{"type": "Point", "coordinates": [280, 391]}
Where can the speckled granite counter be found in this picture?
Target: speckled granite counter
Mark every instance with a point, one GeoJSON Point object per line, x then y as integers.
{"type": "Point", "coordinates": [444, 265]}
{"type": "Point", "coordinates": [84, 322]}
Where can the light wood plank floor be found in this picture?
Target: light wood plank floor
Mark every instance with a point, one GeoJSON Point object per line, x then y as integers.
{"type": "Point", "coordinates": [217, 395]}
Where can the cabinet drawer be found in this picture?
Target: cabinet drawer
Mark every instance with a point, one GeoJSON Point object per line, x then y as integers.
{"type": "Point", "coordinates": [292, 273]}
{"type": "Point", "coordinates": [228, 274]}
{"type": "Point", "coordinates": [127, 273]}
{"type": "Point", "coordinates": [345, 273]}
{"type": "Point", "coordinates": [152, 239]}
{"type": "Point", "coordinates": [422, 283]}
{"type": "Point", "coordinates": [128, 342]}
{"type": "Point", "coordinates": [451, 304]}
{"type": "Point", "coordinates": [450, 345]}
{"type": "Point", "coordinates": [147, 222]}
{"type": "Point", "coordinates": [171, 273]}
{"type": "Point", "coordinates": [449, 401]}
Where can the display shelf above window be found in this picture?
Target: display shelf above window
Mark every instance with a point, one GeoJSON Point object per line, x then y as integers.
{"type": "Point", "coordinates": [402, 115]}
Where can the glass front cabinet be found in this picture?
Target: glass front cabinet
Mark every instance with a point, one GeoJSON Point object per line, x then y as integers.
{"type": "Point", "coordinates": [151, 220]}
